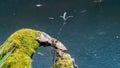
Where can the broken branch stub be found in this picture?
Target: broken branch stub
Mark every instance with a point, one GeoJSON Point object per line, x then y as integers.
{"type": "Point", "coordinates": [64, 60]}
{"type": "Point", "coordinates": [50, 41]}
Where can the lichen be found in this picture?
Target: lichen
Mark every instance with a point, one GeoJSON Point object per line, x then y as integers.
{"type": "Point", "coordinates": [25, 45]}
{"type": "Point", "coordinates": [63, 61]}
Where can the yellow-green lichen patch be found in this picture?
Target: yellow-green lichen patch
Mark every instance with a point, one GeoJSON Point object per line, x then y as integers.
{"type": "Point", "coordinates": [25, 45]}
{"type": "Point", "coordinates": [63, 61]}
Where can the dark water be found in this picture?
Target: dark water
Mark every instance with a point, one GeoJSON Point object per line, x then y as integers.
{"type": "Point", "coordinates": [92, 35]}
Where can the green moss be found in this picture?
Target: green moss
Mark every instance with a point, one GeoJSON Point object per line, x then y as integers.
{"type": "Point", "coordinates": [17, 50]}
{"type": "Point", "coordinates": [25, 45]}
{"type": "Point", "coordinates": [63, 61]}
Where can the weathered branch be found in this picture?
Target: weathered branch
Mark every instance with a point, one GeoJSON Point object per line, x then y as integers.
{"type": "Point", "coordinates": [50, 41]}
{"type": "Point", "coordinates": [17, 50]}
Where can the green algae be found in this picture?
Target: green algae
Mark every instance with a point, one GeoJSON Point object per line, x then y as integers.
{"type": "Point", "coordinates": [25, 45]}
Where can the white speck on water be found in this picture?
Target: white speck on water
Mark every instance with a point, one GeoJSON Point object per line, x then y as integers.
{"type": "Point", "coordinates": [92, 37]}
{"type": "Point", "coordinates": [96, 56]}
{"type": "Point", "coordinates": [38, 5]}
{"type": "Point", "coordinates": [83, 11]}
{"type": "Point", "coordinates": [102, 33]}
{"type": "Point", "coordinates": [14, 14]}
{"type": "Point", "coordinates": [40, 53]}
{"type": "Point", "coordinates": [117, 36]}
{"type": "Point", "coordinates": [51, 18]}
{"type": "Point", "coordinates": [98, 1]}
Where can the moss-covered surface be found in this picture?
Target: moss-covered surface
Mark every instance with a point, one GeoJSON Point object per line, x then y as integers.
{"type": "Point", "coordinates": [17, 50]}
{"type": "Point", "coordinates": [63, 61]}
{"type": "Point", "coordinates": [24, 44]}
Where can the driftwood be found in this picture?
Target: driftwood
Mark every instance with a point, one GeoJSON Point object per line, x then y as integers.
{"type": "Point", "coordinates": [17, 50]}
{"type": "Point", "coordinates": [50, 41]}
